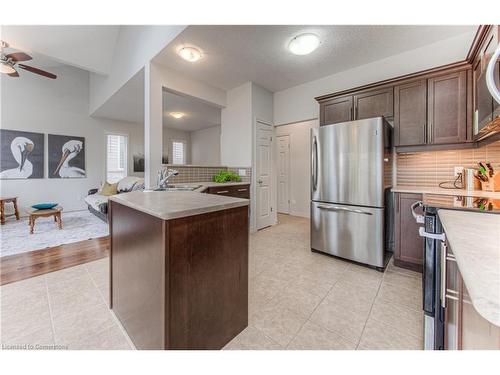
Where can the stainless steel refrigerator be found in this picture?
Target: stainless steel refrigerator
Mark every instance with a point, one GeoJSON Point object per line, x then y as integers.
{"type": "Point", "coordinates": [351, 177]}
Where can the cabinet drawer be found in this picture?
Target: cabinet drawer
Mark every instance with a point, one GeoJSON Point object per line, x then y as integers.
{"type": "Point", "coordinates": [237, 191]}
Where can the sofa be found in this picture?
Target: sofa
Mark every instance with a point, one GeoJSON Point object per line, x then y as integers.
{"type": "Point", "coordinates": [97, 203]}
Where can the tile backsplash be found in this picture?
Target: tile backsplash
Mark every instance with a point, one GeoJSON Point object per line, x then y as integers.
{"type": "Point", "coordinates": [430, 168]}
{"type": "Point", "coordinates": [195, 173]}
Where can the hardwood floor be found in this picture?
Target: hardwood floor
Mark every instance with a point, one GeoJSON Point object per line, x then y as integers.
{"type": "Point", "coordinates": [34, 263]}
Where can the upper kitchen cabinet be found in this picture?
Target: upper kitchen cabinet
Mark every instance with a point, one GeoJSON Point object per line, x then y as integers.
{"type": "Point", "coordinates": [447, 108]}
{"type": "Point", "coordinates": [374, 103]}
{"type": "Point", "coordinates": [336, 110]}
{"type": "Point", "coordinates": [360, 105]}
{"type": "Point", "coordinates": [410, 113]}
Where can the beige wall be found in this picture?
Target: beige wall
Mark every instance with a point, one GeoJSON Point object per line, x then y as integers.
{"type": "Point", "coordinates": [205, 146]}
{"type": "Point", "coordinates": [300, 169]}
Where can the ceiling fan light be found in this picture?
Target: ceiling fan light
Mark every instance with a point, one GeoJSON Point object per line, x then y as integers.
{"type": "Point", "coordinates": [304, 44]}
{"type": "Point", "coordinates": [190, 54]}
{"type": "Point", "coordinates": [6, 68]}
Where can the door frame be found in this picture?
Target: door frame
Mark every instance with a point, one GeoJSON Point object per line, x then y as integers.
{"type": "Point", "coordinates": [289, 168]}
{"type": "Point", "coordinates": [253, 187]}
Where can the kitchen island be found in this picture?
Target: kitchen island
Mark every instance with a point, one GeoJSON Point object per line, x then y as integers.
{"type": "Point", "coordinates": [179, 268]}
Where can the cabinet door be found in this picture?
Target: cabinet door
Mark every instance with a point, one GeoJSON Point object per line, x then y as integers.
{"type": "Point", "coordinates": [374, 103]}
{"type": "Point", "coordinates": [447, 108]}
{"type": "Point", "coordinates": [452, 338]}
{"type": "Point", "coordinates": [477, 332]}
{"type": "Point", "coordinates": [336, 110]}
{"type": "Point", "coordinates": [410, 113]}
{"type": "Point", "coordinates": [409, 246]}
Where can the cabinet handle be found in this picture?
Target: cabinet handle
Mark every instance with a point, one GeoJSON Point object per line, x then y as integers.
{"type": "Point", "coordinates": [222, 191]}
{"type": "Point", "coordinates": [454, 298]}
{"type": "Point", "coordinates": [429, 135]}
{"type": "Point", "coordinates": [242, 189]}
{"type": "Point", "coordinates": [356, 112]}
{"type": "Point", "coordinates": [443, 275]}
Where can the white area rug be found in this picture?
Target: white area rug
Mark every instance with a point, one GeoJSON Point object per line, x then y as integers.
{"type": "Point", "coordinates": [77, 226]}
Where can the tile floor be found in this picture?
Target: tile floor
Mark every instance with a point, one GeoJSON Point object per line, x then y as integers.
{"type": "Point", "coordinates": [297, 300]}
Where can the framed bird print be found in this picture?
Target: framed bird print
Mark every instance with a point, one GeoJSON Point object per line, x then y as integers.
{"type": "Point", "coordinates": [22, 154]}
{"type": "Point", "coordinates": [66, 156]}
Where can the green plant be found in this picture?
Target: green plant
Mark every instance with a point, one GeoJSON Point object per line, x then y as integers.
{"type": "Point", "coordinates": [226, 176]}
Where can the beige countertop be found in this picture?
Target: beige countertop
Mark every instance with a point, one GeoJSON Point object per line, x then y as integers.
{"type": "Point", "coordinates": [168, 205]}
{"type": "Point", "coordinates": [206, 184]}
{"type": "Point", "coordinates": [438, 190]}
{"type": "Point", "coordinates": [474, 239]}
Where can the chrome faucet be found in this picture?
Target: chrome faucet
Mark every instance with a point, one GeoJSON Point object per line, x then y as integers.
{"type": "Point", "coordinates": [163, 176]}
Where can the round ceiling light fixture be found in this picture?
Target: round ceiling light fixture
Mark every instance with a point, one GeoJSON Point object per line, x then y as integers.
{"type": "Point", "coordinates": [177, 115]}
{"type": "Point", "coordinates": [190, 54]}
{"type": "Point", "coordinates": [304, 44]}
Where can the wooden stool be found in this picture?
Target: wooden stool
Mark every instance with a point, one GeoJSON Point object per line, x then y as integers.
{"type": "Point", "coordinates": [56, 212]}
{"type": "Point", "coordinates": [2, 208]}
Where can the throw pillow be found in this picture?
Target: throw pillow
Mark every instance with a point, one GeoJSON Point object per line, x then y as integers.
{"type": "Point", "coordinates": [109, 189]}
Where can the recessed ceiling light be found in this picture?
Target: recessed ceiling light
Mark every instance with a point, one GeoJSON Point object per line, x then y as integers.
{"type": "Point", "coordinates": [304, 44]}
{"type": "Point", "coordinates": [177, 114]}
{"type": "Point", "coordinates": [190, 54]}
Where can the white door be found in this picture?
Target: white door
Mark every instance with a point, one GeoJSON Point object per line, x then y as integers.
{"type": "Point", "coordinates": [263, 173]}
{"type": "Point", "coordinates": [283, 166]}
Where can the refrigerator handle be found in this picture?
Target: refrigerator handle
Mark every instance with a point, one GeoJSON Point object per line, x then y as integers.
{"type": "Point", "coordinates": [337, 208]}
{"type": "Point", "coordinates": [314, 161]}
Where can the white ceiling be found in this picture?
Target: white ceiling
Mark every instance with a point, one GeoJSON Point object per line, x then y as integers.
{"type": "Point", "coordinates": [89, 47]}
{"type": "Point", "coordinates": [198, 114]}
{"type": "Point", "coordinates": [127, 104]}
{"type": "Point", "coordinates": [233, 55]}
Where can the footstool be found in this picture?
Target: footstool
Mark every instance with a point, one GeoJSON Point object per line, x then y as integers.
{"type": "Point", "coordinates": [12, 200]}
{"type": "Point", "coordinates": [35, 214]}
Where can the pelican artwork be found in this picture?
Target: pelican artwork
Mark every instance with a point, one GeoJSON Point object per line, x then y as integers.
{"type": "Point", "coordinates": [70, 150]}
{"type": "Point", "coordinates": [21, 148]}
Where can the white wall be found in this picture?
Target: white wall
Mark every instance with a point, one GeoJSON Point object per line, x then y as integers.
{"type": "Point", "coordinates": [300, 168]}
{"type": "Point", "coordinates": [298, 104]}
{"type": "Point", "coordinates": [36, 104]}
{"type": "Point", "coordinates": [236, 127]}
{"type": "Point", "coordinates": [205, 146]}
{"type": "Point", "coordinates": [170, 135]}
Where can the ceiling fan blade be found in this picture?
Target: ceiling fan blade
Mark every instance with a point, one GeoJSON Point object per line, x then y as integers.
{"type": "Point", "coordinates": [18, 56]}
{"type": "Point", "coordinates": [15, 74]}
{"type": "Point", "coordinates": [37, 71]}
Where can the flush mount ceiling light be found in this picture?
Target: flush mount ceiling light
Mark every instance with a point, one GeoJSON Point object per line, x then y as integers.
{"type": "Point", "coordinates": [177, 115]}
{"type": "Point", "coordinates": [190, 54]}
{"type": "Point", "coordinates": [304, 44]}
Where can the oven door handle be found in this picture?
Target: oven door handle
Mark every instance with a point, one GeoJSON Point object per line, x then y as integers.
{"type": "Point", "coordinates": [418, 218]}
{"type": "Point", "coordinates": [434, 236]}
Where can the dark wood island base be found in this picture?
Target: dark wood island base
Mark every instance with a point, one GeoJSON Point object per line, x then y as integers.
{"type": "Point", "coordinates": [180, 283]}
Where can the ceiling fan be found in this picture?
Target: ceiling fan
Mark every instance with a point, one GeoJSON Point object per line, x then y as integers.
{"type": "Point", "coordinates": [10, 62]}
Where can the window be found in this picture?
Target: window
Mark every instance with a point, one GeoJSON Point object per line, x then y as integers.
{"type": "Point", "coordinates": [116, 157]}
{"type": "Point", "coordinates": [178, 152]}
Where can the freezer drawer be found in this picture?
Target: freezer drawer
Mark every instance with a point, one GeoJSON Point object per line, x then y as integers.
{"type": "Point", "coordinates": [351, 232]}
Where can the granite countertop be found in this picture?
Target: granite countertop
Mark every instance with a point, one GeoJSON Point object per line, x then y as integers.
{"type": "Point", "coordinates": [475, 241]}
{"type": "Point", "coordinates": [168, 205]}
{"type": "Point", "coordinates": [441, 191]}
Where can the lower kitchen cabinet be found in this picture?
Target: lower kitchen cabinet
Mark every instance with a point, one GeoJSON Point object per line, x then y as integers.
{"type": "Point", "coordinates": [236, 191]}
{"type": "Point", "coordinates": [465, 328]}
{"type": "Point", "coordinates": [409, 246]}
